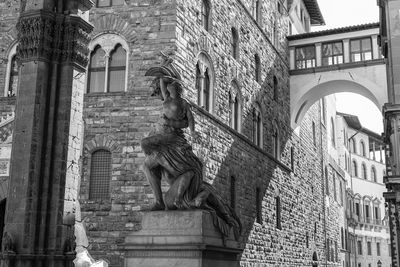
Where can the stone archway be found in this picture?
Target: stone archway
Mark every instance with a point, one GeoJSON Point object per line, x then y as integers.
{"type": "Point", "coordinates": [306, 89]}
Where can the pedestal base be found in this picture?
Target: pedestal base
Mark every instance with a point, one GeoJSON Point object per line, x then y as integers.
{"type": "Point", "coordinates": [180, 239]}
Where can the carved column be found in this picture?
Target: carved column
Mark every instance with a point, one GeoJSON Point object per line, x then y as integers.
{"type": "Point", "coordinates": [53, 54]}
{"type": "Point", "coordinates": [389, 40]}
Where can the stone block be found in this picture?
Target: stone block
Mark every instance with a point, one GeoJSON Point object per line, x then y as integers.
{"type": "Point", "coordinates": [180, 239]}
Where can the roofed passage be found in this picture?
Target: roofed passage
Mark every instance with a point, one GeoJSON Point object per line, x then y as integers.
{"type": "Point", "coordinates": [332, 61]}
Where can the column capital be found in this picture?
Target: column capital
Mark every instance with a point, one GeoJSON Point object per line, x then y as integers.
{"type": "Point", "coordinates": [49, 36]}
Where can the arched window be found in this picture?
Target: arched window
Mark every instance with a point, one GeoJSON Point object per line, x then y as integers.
{"type": "Point", "coordinates": [278, 212]}
{"type": "Point", "coordinates": [354, 169]}
{"type": "Point", "coordinates": [362, 148]}
{"type": "Point", "coordinates": [276, 142]}
{"type": "Point", "coordinates": [233, 192]}
{"type": "Point", "coordinates": [333, 135]}
{"type": "Point", "coordinates": [314, 134]}
{"type": "Point", "coordinates": [257, 126]}
{"type": "Point", "coordinates": [100, 174]}
{"type": "Point", "coordinates": [116, 70]}
{"type": "Point", "coordinates": [235, 107]}
{"type": "Point", "coordinates": [276, 88]}
{"type": "Point", "coordinates": [235, 43]}
{"type": "Point", "coordinates": [97, 70]}
{"type": "Point", "coordinates": [108, 70]}
{"type": "Point", "coordinates": [204, 82]}
{"type": "Point", "coordinates": [205, 14]}
{"type": "Point", "coordinates": [257, 68]}
{"type": "Point", "coordinates": [334, 186]}
{"type": "Point", "coordinates": [326, 181]}
{"type": "Point", "coordinates": [11, 82]}
{"type": "Point", "coordinates": [352, 146]}
{"type": "Point", "coordinates": [363, 171]}
{"type": "Point", "coordinates": [258, 205]}
{"type": "Point", "coordinates": [373, 174]}
{"type": "Point", "coordinates": [257, 11]}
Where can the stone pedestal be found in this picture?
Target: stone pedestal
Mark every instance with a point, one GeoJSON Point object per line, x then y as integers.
{"type": "Point", "coordinates": [180, 239]}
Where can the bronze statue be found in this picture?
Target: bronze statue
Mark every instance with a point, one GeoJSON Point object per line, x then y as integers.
{"type": "Point", "coordinates": [170, 157]}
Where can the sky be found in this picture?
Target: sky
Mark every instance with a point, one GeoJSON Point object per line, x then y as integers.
{"type": "Point", "coordinates": [340, 13]}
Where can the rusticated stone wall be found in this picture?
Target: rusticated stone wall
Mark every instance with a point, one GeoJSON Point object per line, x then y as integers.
{"type": "Point", "coordinates": [118, 121]}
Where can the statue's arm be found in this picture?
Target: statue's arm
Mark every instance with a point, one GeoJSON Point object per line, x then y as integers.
{"type": "Point", "coordinates": [177, 124]}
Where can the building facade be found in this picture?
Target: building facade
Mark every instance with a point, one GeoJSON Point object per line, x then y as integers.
{"type": "Point", "coordinates": [235, 61]}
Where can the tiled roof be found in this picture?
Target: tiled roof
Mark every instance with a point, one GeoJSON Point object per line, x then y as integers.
{"type": "Point", "coordinates": [353, 28]}
{"type": "Point", "coordinates": [314, 11]}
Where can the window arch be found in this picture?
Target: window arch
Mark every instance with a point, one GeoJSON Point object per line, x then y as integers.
{"type": "Point", "coordinates": [235, 107]}
{"type": "Point", "coordinates": [257, 68]}
{"type": "Point", "coordinates": [333, 135]}
{"type": "Point", "coordinates": [352, 146]}
{"type": "Point", "coordinates": [276, 141]}
{"type": "Point", "coordinates": [275, 88]}
{"type": "Point", "coordinates": [257, 11]}
{"type": "Point", "coordinates": [326, 181]}
{"type": "Point", "coordinates": [364, 171]}
{"type": "Point", "coordinates": [314, 134]}
{"type": "Point", "coordinates": [205, 14]}
{"type": "Point", "coordinates": [100, 174]}
{"type": "Point", "coordinates": [235, 43]}
{"type": "Point", "coordinates": [205, 82]}
{"type": "Point", "coordinates": [354, 169]}
{"type": "Point", "coordinates": [11, 82]}
{"type": "Point", "coordinates": [257, 125]}
{"type": "Point", "coordinates": [362, 148]}
{"type": "Point", "coordinates": [107, 71]}
{"type": "Point", "coordinates": [373, 174]}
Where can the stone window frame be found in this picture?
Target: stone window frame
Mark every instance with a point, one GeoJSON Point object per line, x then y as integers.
{"type": "Point", "coordinates": [235, 43]}
{"type": "Point", "coordinates": [275, 87]}
{"type": "Point", "coordinates": [358, 200]}
{"type": "Point", "coordinates": [326, 181]}
{"type": "Point", "coordinates": [207, 7]}
{"type": "Point", "coordinates": [98, 142]}
{"type": "Point", "coordinates": [257, 130]}
{"type": "Point", "coordinates": [334, 185]}
{"type": "Point", "coordinates": [373, 174]}
{"type": "Point", "coordinates": [364, 172]}
{"type": "Point", "coordinates": [258, 205]}
{"type": "Point", "coordinates": [276, 144]}
{"type": "Point", "coordinates": [354, 168]}
{"type": "Point", "coordinates": [235, 97]}
{"type": "Point", "coordinates": [314, 133]}
{"type": "Point", "coordinates": [204, 65]}
{"type": "Point", "coordinates": [362, 148]}
{"type": "Point", "coordinates": [233, 183]}
{"type": "Point", "coordinates": [257, 68]}
{"type": "Point", "coordinates": [12, 52]}
{"type": "Point", "coordinates": [278, 209]}
{"type": "Point", "coordinates": [256, 12]}
{"type": "Point", "coordinates": [376, 217]}
{"type": "Point", "coordinates": [367, 206]}
{"type": "Point", "coordinates": [108, 42]}
{"type": "Point", "coordinates": [352, 146]}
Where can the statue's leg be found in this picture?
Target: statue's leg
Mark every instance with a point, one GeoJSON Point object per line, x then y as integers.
{"type": "Point", "coordinates": [183, 182]}
{"type": "Point", "coordinates": [179, 185]}
{"type": "Point", "coordinates": [149, 165]}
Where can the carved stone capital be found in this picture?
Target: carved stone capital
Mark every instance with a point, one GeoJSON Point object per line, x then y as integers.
{"type": "Point", "coordinates": [54, 37]}
{"type": "Point", "coordinates": [35, 34]}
